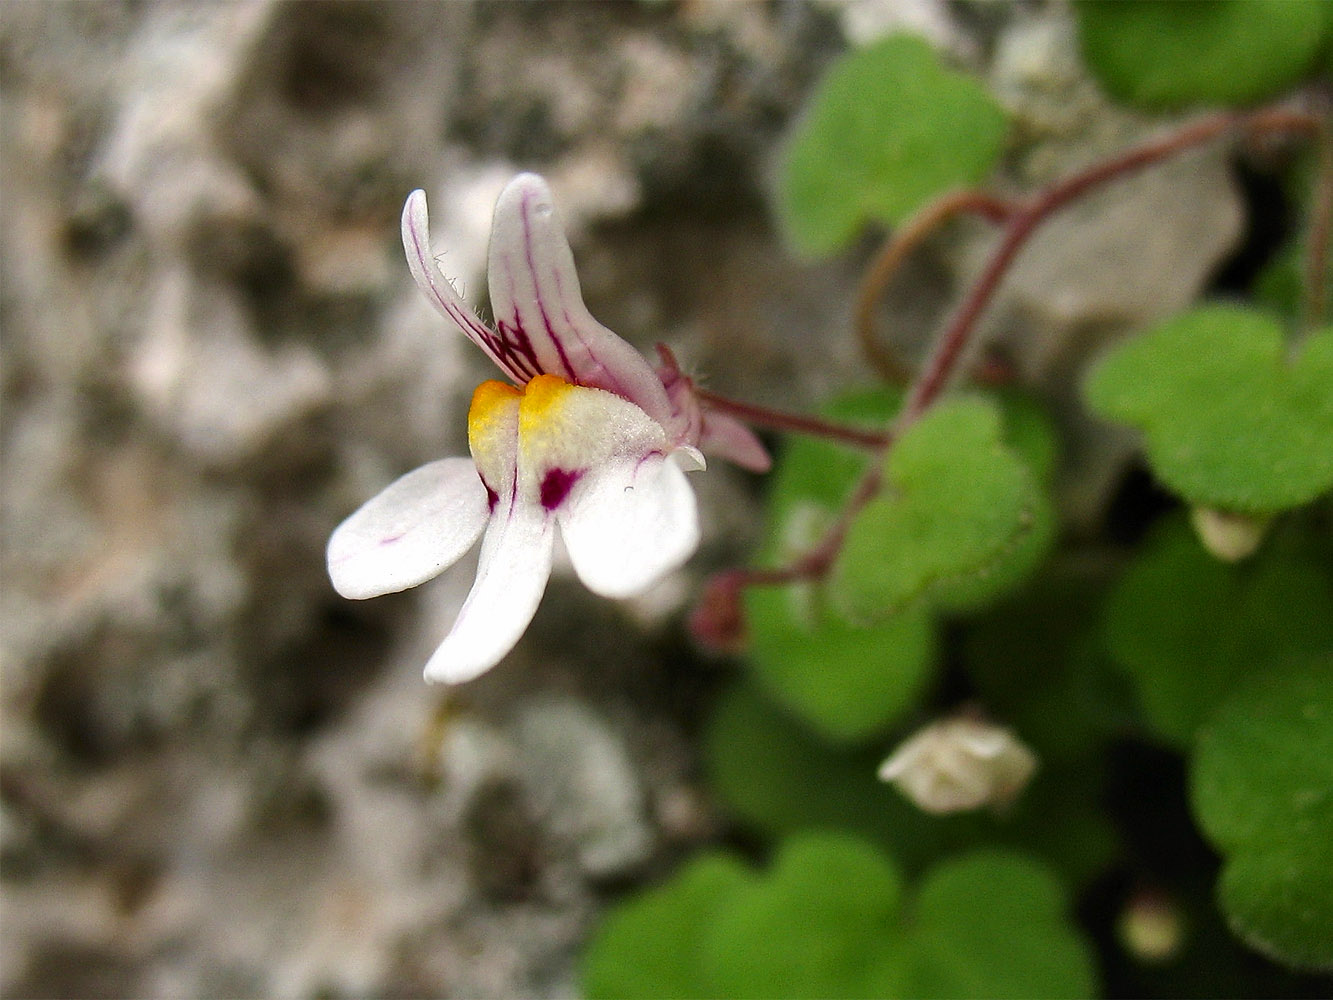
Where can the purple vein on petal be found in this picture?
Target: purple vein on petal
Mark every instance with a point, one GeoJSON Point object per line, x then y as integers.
{"type": "Point", "coordinates": [537, 288]}
{"type": "Point", "coordinates": [477, 331]}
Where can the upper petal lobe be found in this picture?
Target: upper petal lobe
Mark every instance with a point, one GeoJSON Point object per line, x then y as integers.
{"type": "Point", "coordinates": [538, 305]}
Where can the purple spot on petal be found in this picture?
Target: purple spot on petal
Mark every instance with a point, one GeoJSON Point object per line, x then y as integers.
{"type": "Point", "coordinates": [556, 486]}
{"type": "Point", "coordinates": [492, 498]}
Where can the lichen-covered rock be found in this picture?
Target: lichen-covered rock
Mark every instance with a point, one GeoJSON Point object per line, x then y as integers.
{"type": "Point", "coordinates": [218, 777]}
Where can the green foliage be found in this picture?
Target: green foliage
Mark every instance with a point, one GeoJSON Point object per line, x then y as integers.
{"type": "Point", "coordinates": [652, 946]}
{"type": "Point", "coordinates": [960, 518]}
{"type": "Point", "coordinates": [846, 682]}
{"type": "Point", "coordinates": [1262, 787]}
{"type": "Point", "coordinates": [1174, 53]}
{"type": "Point", "coordinates": [1229, 665]}
{"type": "Point", "coordinates": [1229, 421]}
{"type": "Point", "coordinates": [1036, 662]}
{"type": "Point", "coordinates": [828, 920]}
{"type": "Point", "coordinates": [1016, 945]}
{"type": "Point", "coordinates": [1187, 628]}
{"type": "Point", "coordinates": [821, 924]}
{"type": "Point", "coordinates": [889, 128]}
{"type": "Point", "coordinates": [778, 778]}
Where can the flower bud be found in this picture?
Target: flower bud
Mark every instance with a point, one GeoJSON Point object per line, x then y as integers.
{"type": "Point", "coordinates": [960, 764]}
{"type": "Point", "coordinates": [1151, 928]}
{"type": "Point", "coordinates": [1227, 535]}
{"type": "Point", "coordinates": [717, 622]}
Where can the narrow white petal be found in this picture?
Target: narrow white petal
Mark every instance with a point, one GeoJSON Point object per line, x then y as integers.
{"type": "Point", "coordinates": [440, 292]}
{"type": "Point", "coordinates": [410, 532]}
{"type": "Point", "coordinates": [511, 577]}
{"type": "Point", "coordinates": [538, 306]}
{"type": "Point", "coordinates": [628, 523]}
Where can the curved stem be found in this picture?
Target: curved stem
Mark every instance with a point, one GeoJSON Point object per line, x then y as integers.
{"type": "Point", "coordinates": [1021, 222]}
{"type": "Point", "coordinates": [897, 249]}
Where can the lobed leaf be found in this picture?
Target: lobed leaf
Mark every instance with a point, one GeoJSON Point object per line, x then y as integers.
{"type": "Point", "coordinates": [1229, 421]}
{"type": "Point", "coordinates": [1262, 788]}
{"type": "Point", "coordinates": [827, 920]}
{"type": "Point", "coordinates": [845, 681]}
{"type": "Point", "coordinates": [960, 518]}
{"type": "Point", "coordinates": [888, 129]}
{"type": "Point", "coordinates": [1175, 53]}
{"type": "Point", "coordinates": [1187, 628]}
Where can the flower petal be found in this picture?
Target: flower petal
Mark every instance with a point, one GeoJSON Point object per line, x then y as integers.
{"type": "Point", "coordinates": [441, 293]}
{"type": "Point", "coordinates": [729, 439]}
{"type": "Point", "coordinates": [511, 577]}
{"type": "Point", "coordinates": [628, 523]}
{"type": "Point", "coordinates": [410, 532]}
{"type": "Point", "coordinates": [539, 310]}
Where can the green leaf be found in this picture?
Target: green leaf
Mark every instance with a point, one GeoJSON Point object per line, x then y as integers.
{"type": "Point", "coordinates": [1028, 429]}
{"type": "Point", "coordinates": [888, 129]}
{"type": "Point", "coordinates": [815, 472]}
{"type": "Point", "coordinates": [827, 920]}
{"type": "Point", "coordinates": [845, 681]}
{"type": "Point", "coordinates": [1262, 788]}
{"type": "Point", "coordinates": [1036, 662]}
{"type": "Point", "coordinates": [960, 518]}
{"type": "Point", "coordinates": [993, 924]}
{"type": "Point", "coordinates": [1229, 422]}
{"type": "Point", "coordinates": [822, 924]}
{"type": "Point", "coordinates": [649, 946]}
{"type": "Point", "coordinates": [1174, 53]}
{"type": "Point", "coordinates": [778, 779]}
{"type": "Point", "coordinates": [1188, 628]}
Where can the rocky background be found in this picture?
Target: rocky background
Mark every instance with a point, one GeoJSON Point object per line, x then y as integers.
{"type": "Point", "coordinates": [218, 777]}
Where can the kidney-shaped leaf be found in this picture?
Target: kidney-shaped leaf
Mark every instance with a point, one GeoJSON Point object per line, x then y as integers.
{"type": "Point", "coordinates": [1229, 420]}
{"type": "Point", "coordinates": [889, 128]}
{"type": "Point", "coordinates": [1173, 53]}
{"type": "Point", "coordinates": [960, 518]}
{"type": "Point", "coordinates": [1262, 786]}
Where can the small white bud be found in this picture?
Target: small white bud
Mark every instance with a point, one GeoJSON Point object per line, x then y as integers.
{"type": "Point", "coordinates": [960, 764]}
{"type": "Point", "coordinates": [1227, 535]}
{"type": "Point", "coordinates": [1151, 928]}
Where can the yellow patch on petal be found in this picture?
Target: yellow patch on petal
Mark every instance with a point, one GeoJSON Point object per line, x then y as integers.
{"type": "Point", "coordinates": [544, 425]}
{"type": "Point", "coordinates": [492, 423]}
{"type": "Point", "coordinates": [539, 396]}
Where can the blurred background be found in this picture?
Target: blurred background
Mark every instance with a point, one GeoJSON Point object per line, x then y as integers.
{"type": "Point", "coordinates": [218, 777]}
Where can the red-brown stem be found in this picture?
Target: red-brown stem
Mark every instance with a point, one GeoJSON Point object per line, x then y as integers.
{"type": "Point", "coordinates": [778, 420]}
{"type": "Point", "coordinates": [1321, 234]}
{"type": "Point", "coordinates": [1021, 222]}
{"type": "Point", "coordinates": [897, 249]}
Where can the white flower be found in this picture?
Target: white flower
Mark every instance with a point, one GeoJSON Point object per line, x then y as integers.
{"type": "Point", "coordinates": [959, 764]}
{"type": "Point", "coordinates": [588, 438]}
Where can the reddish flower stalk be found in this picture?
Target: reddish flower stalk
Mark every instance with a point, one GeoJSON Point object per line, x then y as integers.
{"type": "Point", "coordinates": [1020, 221]}
{"type": "Point", "coordinates": [778, 420]}
{"type": "Point", "coordinates": [1025, 220]}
